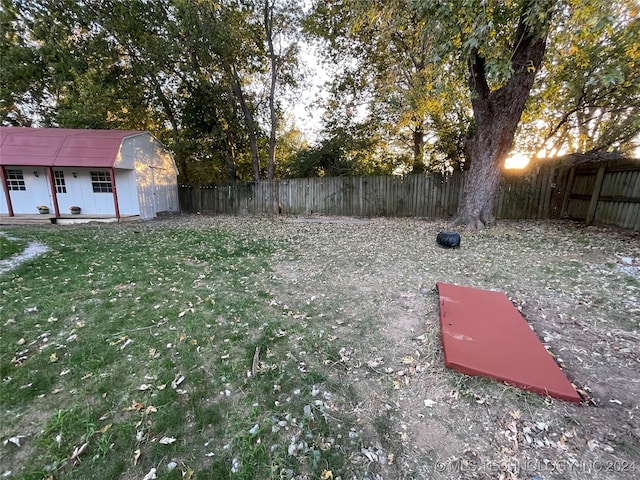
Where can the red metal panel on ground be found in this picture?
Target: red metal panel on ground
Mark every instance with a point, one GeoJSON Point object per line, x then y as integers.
{"type": "Point", "coordinates": [484, 334]}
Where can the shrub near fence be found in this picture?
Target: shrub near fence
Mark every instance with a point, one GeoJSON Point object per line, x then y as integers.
{"type": "Point", "coordinates": [605, 193]}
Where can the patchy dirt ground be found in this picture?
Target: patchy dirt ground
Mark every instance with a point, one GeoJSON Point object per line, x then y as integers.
{"type": "Point", "coordinates": [373, 286]}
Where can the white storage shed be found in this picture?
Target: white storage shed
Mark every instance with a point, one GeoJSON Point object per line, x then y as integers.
{"type": "Point", "coordinates": [109, 174]}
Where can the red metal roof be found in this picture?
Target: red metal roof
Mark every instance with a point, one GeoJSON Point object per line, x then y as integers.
{"type": "Point", "coordinates": [61, 147]}
{"type": "Point", "coordinates": [484, 334]}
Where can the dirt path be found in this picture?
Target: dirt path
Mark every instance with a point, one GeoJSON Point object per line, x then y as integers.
{"type": "Point", "coordinates": [376, 280]}
{"type": "Point", "coordinates": [33, 250]}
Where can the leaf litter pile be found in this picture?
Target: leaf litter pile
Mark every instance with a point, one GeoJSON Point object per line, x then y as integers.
{"type": "Point", "coordinates": [218, 347]}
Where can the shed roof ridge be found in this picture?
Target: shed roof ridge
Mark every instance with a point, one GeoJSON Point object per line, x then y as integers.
{"type": "Point", "coordinates": [64, 147]}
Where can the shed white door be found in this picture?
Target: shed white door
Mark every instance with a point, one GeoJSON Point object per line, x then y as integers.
{"type": "Point", "coordinates": [151, 193]}
{"type": "Point", "coordinates": [146, 188]}
{"type": "Point", "coordinates": [163, 180]}
{"type": "Point", "coordinates": [28, 188]}
{"type": "Point", "coordinates": [157, 194]}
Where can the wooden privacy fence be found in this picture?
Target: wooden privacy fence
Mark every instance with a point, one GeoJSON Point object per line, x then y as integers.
{"type": "Point", "coordinates": [603, 193]}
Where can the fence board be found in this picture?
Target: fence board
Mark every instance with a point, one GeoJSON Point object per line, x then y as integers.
{"type": "Point", "coordinates": [549, 192]}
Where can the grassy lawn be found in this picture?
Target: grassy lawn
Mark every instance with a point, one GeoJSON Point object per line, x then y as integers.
{"type": "Point", "coordinates": [217, 348]}
{"type": "Point", "coordinates": [121, 337]}
{"type": "Point", "coordinates": [9, 247]}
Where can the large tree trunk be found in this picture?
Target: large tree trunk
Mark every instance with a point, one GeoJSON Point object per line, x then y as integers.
{"type": "Point", "coordinates": [183, 170]}
{"type": "Point", "coordinates": [268, 29]}
{"type": "Point", "coordinates": [418, 148]}
{"type": "Point", "coordinates": [230, 143]}
{"type": "Point", "coordinates": [232, 174]}
{"type": "Point", "coordinates": [496, 115]}
{"type": "Point", "coordinates": [236, 86]}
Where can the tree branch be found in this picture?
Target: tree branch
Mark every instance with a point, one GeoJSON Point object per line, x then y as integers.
{"type": "Point", "coordinates": [477, 75]}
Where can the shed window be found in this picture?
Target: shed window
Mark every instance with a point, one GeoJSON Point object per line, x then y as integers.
{"type": "Point", "coordinates": [58, 177]}
{"type": "Point", "coordinates": [101, 182]}
{"type": "Point", "coordinates": [15, 179]}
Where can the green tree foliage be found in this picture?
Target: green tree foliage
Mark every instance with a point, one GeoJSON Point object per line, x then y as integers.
{"type": "Point", "coordinates": [21, 82]}
{"type": "Point", "coordinates": [281, 20]}
{"type": "Point", "coordinates": [292, 141]}
{"type": "Point", "coordinates": [190, 72]}
{"type": "Point", "coordinates": [416, 84]}
{"type": "Point", "coordinates": [346, 150]}
{"type": "Point", "coordinates": [224, 48]}
{"type": "Point", "coordinates": [388, 66]}
{"type": "Point", "coordinates": [588, 96]}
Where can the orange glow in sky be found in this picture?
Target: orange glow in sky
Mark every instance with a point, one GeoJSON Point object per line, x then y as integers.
{"type": "Point", "coordinates": [516, 161]}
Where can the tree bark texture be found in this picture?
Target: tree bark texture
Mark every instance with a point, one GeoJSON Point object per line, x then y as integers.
{"type": "Point", "coordinates": [268, 29]}
{"type": "Point", "coordinates": [232, 175]}
{"type": "Point", "coordinates": [418, 149]}
{"type": "Point", "coordinates": [230, 141]}
{"type": "Point", "coordinates": [248, 118]}
{"type": "Point", "coordinates": [496, 116]}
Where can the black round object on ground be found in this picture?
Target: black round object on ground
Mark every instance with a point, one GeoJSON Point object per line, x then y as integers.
{"type": "Point", "coordinates": [448, 239]}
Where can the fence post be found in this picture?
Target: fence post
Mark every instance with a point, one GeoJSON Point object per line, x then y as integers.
{"type": "Point", "coordinates": [360, 197]}
{"type": "Point", "coordinates": [547, 191]}
{"type": "Point", "coordinates": [595, 196]}
{"type": "Point", "coordinates": [567, 192]}
{"type": "Point", "coordinates": [198, 199]}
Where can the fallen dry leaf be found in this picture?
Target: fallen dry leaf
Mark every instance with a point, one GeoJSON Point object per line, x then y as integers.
{"type": "Point", "coordinates": [187, 472]}
{"type": "Point", "coordinates": [105, 428]}
{"type": "Point", "coordinates": [15, 440]}
{"type": "Point", "coordinates": [78, 451]}
{"type": "Point", "coordinates": [151, 475]}
{"type": "Point", "coordinates": [177, 381]}
{"type": "Point", "coordinates": [326, 475]}
{"type": "Point", "coordinates": [408, 360]}
{"type": "Point", "coordinates": [137, 406]}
